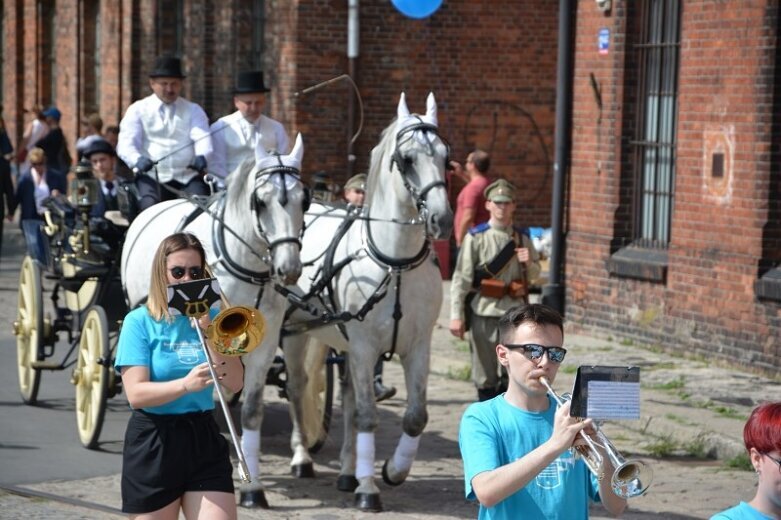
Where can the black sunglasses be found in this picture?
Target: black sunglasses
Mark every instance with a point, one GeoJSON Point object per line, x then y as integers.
{"type": "Point", "coordinates": [533, 352]}
{"type": "Point", "coordinates": [178, 272]}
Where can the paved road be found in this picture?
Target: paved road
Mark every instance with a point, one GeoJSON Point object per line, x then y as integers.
{"type": "Point", "coordinates": [689, 408]}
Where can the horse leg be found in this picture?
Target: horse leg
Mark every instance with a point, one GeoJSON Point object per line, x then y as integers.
{"type": "Point", "coordinates": [362, 361]}
{"type": "Point", "coordinates": [416, 367]}
{"type": "Point", "coordinates": [296, 350]}
{"type": "Point", "coordinates": [347, 480]}
{"type": "Point", "coordinates": [256, 364]}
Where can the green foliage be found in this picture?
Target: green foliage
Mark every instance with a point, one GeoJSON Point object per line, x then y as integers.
{"type": "Point", "coordinates": [741, 462]}
{"type": "Point", "coordinates": [662, 447]}
{"type": "Point", "coordinates": [462, 373]}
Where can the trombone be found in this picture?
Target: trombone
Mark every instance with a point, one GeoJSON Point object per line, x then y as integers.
{"type": "Point", "coordinates": [631, 478]}
{"type": "Point", "coordinates": [235, 331]}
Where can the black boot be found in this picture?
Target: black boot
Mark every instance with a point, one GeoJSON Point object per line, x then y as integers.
{"type": "Point", "coordinates": [382, 392]}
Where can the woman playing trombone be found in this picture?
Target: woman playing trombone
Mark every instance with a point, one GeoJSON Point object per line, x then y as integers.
{"type": "Point", "coordinates": [174, 456]}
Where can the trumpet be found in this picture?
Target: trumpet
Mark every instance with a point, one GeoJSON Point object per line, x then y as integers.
{"type": "Point", "coordinates": [631, 478]}
{"type": "Point", "coordinates": [235, 331]}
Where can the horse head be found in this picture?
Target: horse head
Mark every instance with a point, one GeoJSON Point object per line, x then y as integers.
{"type": "Point", "coordinates": [420, 157]}
{"type": "Point", "coordinates": [279, 201]}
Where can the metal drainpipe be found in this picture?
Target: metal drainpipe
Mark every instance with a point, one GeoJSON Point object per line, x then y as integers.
{"type": "Point", "coordinates": [553, 292]}
{"type": "Point", "coordinates": [353, 37]}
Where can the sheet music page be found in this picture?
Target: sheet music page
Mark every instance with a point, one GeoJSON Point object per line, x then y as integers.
{"type": "Point", "coordinates": [613, 400]}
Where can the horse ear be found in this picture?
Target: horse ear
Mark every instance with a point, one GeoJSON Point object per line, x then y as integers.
{"type": "Point", "coordinates": [260, 152]}
{"type": "Point", "coordinates": [402, 112]}
{"type": "Point", "coordinates": [431, 108]}
{"type": "Point", "coordinates": [298, 149]}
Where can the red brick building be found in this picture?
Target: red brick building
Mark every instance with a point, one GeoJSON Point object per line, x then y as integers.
{"type": "Point", "coordinates": [674, 214]}
{"type": "Point", "coordinates": [491, 66]}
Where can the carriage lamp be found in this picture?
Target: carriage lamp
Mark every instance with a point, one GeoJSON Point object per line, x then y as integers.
{"type": "Point", "coordinates": [83, 193]}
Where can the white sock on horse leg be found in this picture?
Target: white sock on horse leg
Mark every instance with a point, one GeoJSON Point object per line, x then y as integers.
{"type": "Point", "coordinates": [405, 453]}
{"type": "Point", "coordinates": [364, 454]}
{"type": "Point", "coordinates": [250, 445]}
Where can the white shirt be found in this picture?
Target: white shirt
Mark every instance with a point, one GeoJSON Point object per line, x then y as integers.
{"type": "Point", "coordinates": [234, 140]}
{"type": "Point", "coordinates": [42, 190]}
{"type": "Point", "coordinates": [146, 131]}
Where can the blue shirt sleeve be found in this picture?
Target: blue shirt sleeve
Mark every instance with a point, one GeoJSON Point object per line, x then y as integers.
{"type": "Point", "coordinates": [132, 347]}
{"type": "Point", "coordinates": [479, 451]}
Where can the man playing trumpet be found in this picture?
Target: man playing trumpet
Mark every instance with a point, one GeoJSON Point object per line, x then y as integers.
{"type": "Point", "coordinates": [516, 446]}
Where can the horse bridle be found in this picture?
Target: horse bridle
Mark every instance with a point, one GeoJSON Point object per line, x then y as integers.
{"type": "Point", "coordinates": [262, 177]}
{"type": "Point", "coordinates": [403, 165]}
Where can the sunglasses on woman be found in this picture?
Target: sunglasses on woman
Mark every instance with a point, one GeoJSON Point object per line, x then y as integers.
{"type": "Point", "coordinates": [533, 351]}
{"type": "Point", "coordinates": [178, 272]}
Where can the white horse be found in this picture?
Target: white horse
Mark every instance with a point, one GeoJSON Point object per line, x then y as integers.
{"type": "Point", "coordinates": [381, 271]}
{"type": "Point", "coordinates": [251, 235]}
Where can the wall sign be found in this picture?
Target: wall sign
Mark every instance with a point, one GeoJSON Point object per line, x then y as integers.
{"type": "Point", "coordinates": [603, 41]}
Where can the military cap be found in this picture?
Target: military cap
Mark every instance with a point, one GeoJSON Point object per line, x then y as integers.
{"type": "Point", "coordinates": [500, 191]}
{"type": "Point", "coordinates": [98, 146]}
{"type": "Point", "coordinates": [356, 182]}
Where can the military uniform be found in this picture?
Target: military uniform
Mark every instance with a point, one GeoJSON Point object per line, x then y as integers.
{"type": "Point", "coordinates": [480, 246]}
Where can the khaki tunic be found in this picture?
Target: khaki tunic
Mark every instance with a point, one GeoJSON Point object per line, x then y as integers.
{"type": "Point", "coordinates": [477, 249]}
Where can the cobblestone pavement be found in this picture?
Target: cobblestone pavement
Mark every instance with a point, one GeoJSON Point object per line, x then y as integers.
{"type": "Point", "coordinates": [690, 430]}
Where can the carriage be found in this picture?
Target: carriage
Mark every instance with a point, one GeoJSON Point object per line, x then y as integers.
{"type": "Point", "coordinates": [73, 257]}
{"type": "Point", "coordinates": [71, 285]}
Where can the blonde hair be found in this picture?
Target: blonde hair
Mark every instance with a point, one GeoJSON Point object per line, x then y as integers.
{"type": "Point", "coordinates": [157, 303]}
{"type": "Point", "coordinates": [36, 155]}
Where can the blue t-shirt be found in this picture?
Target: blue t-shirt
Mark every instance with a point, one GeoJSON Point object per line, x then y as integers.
{"type": "Point", "coordinates": [495, 433]}
{"type": "Point", "coordinates": [170, 350]}
{"type": "Point", "coordinates": [742, 511]}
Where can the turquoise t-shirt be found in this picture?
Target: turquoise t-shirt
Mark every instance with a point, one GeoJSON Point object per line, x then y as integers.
{"type": "Point", "coordinates": [494, 433]}
{"type": "Point", "coordinates": [170, 350]}
{"type": "Point", "coordinates": [742, 511]}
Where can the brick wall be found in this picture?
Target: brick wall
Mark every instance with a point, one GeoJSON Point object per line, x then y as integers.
{"type": "Point", "coordinates": [724, 228]}
{"type": "Point", "coordinates": [490, 64]}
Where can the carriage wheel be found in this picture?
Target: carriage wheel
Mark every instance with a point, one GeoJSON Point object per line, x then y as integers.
{"type": "Point", "coordinates": [28, 329]}
{"type": "Point", "coordinates": [318, 395]}
{"type": "Point", "coordinates": [92, 376]}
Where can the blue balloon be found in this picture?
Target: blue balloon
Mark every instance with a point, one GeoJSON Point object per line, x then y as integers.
{"type": "Point", "coordinates": [417, 8]}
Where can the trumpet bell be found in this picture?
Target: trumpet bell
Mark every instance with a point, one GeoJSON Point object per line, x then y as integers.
{"type": "Point", "coordinates": [631, 479]}
{"type": "Point", "coordinates": [236, 331]}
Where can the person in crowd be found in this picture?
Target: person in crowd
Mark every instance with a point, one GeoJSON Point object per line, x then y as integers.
{"type": "Point", "coordinates": [235, 136]}
{"type": "Point", "coordinates": [101, 156]}
{"type": "Point", "coordinates": [762, 437]}
{"type": "Point", "coordinates": [497, 261]}
{"type": "Point", "coordinates": [92, 128]}
{"type": "Point", "coordinates": [33, 132]}
{"type": "Point", "coordinates": [120, 168]}
{"type": "Point", "coordinates": [54, 144]}
{"type": "Point", "coordinates": [323, 187]}
{"type": "Point", "coordinates": [7, 197]}
{"type": "Point", "coordinates": [165, 138]}
{"type": "Point", "coordinates": [37, 185]}
{"type": "Point", "coordinates": [470, 204]}
{"type": "Point", "coordinates": [516, 447]}
{"type": "Point", "coordinates": [354, 193]}
{"type": "Point", "coordinates": [174, 457]}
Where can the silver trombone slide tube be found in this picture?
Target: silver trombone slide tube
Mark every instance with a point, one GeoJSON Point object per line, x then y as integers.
{"type": "Point", "coordinates": [243, 469]}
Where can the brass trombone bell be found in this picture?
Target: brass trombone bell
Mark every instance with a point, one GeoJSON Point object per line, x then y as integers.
{"type": "Point", "coordinates": [236, 331]}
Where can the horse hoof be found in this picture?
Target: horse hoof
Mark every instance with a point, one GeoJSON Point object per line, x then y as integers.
{"type": "Point", "coordinates": [346, 483]}
{"type": "Point", "coordinates": [368, 502]}
{"type": "Point", "coordinates": [306, 470]}
{"type": "Point", "coordinates": [386, 478]}
{"type": "Point", "coordinates": [253, 499]}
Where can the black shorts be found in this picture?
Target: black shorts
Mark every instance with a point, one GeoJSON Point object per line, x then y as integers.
{"type": "Point", "coordinates": [167, 455]}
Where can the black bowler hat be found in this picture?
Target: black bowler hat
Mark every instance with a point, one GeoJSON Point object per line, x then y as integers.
{"type": "Point", "coordinates": [98, 146]}
{"type": "Point", "coordinates": [167, 67]}
{"type": "Point", "coordinates": [250, 81]}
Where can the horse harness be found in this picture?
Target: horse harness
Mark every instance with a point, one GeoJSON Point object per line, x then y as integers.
{"type": "Point", "coordinates": [259, 278]}
{"type": "Point", "coordinates": [394, 267]}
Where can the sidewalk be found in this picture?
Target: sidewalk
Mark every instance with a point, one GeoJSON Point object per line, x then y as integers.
{"type": "Point", "coordinates": [690, 411]}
